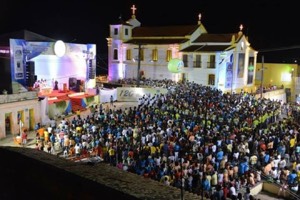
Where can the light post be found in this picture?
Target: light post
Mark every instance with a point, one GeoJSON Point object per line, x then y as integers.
{"type": "Point", "coordinates": [262, 76]}
{"type": "Point", "coordinates": [139, 66]}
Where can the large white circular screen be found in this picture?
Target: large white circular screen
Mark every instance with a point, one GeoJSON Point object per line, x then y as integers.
{"type": "Point", "coordinates": [59, 48]}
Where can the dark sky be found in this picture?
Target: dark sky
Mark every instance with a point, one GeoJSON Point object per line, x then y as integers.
{"type": "Point", "coordinates": [270, 24]}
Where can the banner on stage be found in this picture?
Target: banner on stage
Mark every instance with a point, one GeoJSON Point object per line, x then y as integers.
{"type": "Point", "coordinates": [133, 94]}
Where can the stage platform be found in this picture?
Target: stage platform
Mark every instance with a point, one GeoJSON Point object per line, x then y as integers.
{"type": "Point", "coordinates": [69, 100]}
{"type": "Point", "coordinates": [58, 95]}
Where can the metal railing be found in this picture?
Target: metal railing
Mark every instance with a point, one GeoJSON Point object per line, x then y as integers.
{"type": "Point", "coordinates": [271, 180]}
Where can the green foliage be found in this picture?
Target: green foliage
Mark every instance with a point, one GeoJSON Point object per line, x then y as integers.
{"type": "Point", "coordinates": [61, 104]}
{"type": "Point", "coordinates": [89, 100]}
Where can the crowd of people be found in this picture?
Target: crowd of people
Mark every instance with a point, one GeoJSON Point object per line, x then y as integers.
{"type": "Point", "coordinates": [194, 137]}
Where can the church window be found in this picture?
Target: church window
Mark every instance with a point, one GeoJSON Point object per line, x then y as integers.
{"type": "Point", "coordinates": [169, 55]}
{"type": "Point", "coordinates": [211, 79]}
{"type": "Point", "coordinates": [128, 54]}
{"type": "Point", "coordinates": [115, 54]}
{"type": "Point", "coordinates": [154, 55]}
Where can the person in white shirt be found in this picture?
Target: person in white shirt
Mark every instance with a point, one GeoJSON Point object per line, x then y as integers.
{"type": "Point", "coordinates": [220, 178]}
{"type": "Point", "coordinates": [77, 149]}
{"type": "Point", "coordinates": [274, 173]}
{"type": "Point", "coordinates": [282, 163]}
{"type": "Point", "coordinates": [236, 155]}
{"type": "Point", "coordinates": [232, 190]}
{"type": "Point", "coordinates": [214, 148]}
{"type": "Point", "coordinates": [276, 162]}
{"type": "Point", "coordinates": [49, 129]}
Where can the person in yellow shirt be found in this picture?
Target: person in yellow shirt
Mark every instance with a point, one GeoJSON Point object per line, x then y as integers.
{"type": "Point", "coordinates": [78, 113]}
{"type": "Point", "coordinates": [111, 153]}
{"type": "Point", "coordinates": [46, 136]}
{"type": "Point", "coordinates": [153, 150]}
{"type": "Point", "coordinates": [292, 143]}
{"type": "Point", "coordinates": [78, 129]}
{"type": "Point", "coordinates": [104, 153]}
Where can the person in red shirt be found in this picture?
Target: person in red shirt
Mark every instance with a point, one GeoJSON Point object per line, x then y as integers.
{"type": "Point", "coordinates": [24, 137]}
{"type": "Point", "coordinates": [263, 146]}
{"type": "Point", "coordinates": [225, 191]}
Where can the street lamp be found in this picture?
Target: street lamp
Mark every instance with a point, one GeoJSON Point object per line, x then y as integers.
{"type": "Point", "coordinates": [139, 65]}
{"type": "Point", "coordinates": [262, 76]}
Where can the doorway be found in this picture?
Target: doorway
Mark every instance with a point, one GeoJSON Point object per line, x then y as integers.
{"type": "Point", "coordinates": [20, 118]}
{"type": "Point", "coordinates": [183, 77]}
{"type": "Point", "coordinates": [31, 119]}
{"type": "Point", "coordinates": [8, 123]}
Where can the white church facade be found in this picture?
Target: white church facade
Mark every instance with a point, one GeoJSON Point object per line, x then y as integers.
{"type": "Point", "coordinates": [224, 61]}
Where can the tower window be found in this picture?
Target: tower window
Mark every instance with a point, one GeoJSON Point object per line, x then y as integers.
{"type": "Point", "coordinates": [116, 31]}
{"type": "Point", "coordinates": [115, 54]}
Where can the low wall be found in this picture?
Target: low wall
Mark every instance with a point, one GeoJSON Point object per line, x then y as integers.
{"type": "Point", "coordinates": [22, 96]}
{"type": "Point", "coordinates": [33, 174]}
{"type": "Point", "coordinates": [279, 95]}
{"type": "Point", "coordinates": [274, 188]}
{"type": "Point", "coordinates": [257, 188]}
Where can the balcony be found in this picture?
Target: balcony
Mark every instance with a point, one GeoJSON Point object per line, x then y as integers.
{"type": "Point", "coordinates": [197, 64]}
{"type": "Point", "coordinates": [211, 65]}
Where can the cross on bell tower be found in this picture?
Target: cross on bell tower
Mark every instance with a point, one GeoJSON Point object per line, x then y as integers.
{"type": "Point", "coordinates": [133, 8]}
{"type": "Point", "coordinates": [199, 18]}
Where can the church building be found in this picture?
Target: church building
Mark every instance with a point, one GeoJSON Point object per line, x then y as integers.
{"type": "Point", "coordinates": [223, 61]}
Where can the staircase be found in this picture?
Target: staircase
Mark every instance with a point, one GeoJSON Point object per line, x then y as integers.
{"type": "Point", "coordinates": [76, 105]}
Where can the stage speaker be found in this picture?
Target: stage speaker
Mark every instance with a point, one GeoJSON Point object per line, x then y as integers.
{"type": "Point", "coordinates": [78, 86]}
{"type": "Point", "coordinates": [30, 67]}
{"type": "Point", "coordinates": [72, 83]}
{"type": "Point", "coordinates": [30, 80]}
{"type": "Point", "coordinates": [30, 74]}
{"type": "Point", "coordinates": [92, 68]}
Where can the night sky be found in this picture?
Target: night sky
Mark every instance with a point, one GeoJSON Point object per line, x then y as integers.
{"type": "Point", "coordinates": [270, 24]}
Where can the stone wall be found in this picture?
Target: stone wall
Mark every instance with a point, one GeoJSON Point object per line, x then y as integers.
{"type": "Point", "coordinates": [33, 174]}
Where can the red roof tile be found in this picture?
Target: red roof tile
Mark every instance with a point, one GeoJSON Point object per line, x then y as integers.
{"type": "Point", "coordinates": [156, 41]}
{"type": "Point", "coordinates": [164, 31]}
{"type": "Point", "coordinates": [206, 37]}
{"type": "Point", "coordinates": [205, 48]}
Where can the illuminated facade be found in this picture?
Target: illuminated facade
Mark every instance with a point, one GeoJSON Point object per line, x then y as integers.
{"type": "Point", "coordinates": [223, 61]}
{"type": "Point", "coordinates": [27, 57]}
{"type": "Point", "coordinates": [277, 75]}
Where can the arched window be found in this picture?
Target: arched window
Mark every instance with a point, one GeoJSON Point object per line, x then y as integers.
{"type": "Point", "coordinates": [115, 54]}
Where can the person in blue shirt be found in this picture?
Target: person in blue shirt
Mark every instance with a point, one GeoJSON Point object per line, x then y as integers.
{"type": "Point", "coordinates": [220, 155]}
{"type": "Point", "coordinates": [243, 167]}
{"type": "Point", "coordinates": [292, 177]}
{"type": "Point", "coordinates": [205, 184]}
{"type": "Point", "coordinates": [266, 158]}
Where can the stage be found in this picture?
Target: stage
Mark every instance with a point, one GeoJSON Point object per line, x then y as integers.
{"type": "Point", "coordinates": [66, 102]}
